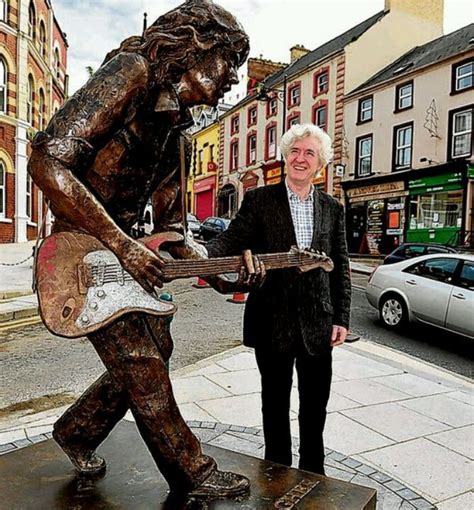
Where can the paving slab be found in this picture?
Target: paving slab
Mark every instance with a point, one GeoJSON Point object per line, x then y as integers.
{"type": "Point", "coordinates": [463, 502]}
{"type": "Point", "coordinates": [432, 469]}
{"type": "Point", "coordinates": [338, 402]}
{"type": "Point", "coordinates": [459, 440]}
{"type": "Point", "coordinates": [214, 368]}
{"type": "Point", "coordinates": [413, 385]}
{"type": "Point", "coordinates": [230, 409]}
{"type": "Point", "coordinates": [395, 421]}
{"type": "Point", "coordinates": [362, 368]}
{"type": "Point", "coordinates": [443, 408]}
{"type": "Point", "coordinates": [192, 411]}
{"type": "Point", "coordinates": [238, 383]}
{"type": "Point", "coordinates": [241, 361]}
{"type": "Point", "coordinates": [196, 388]}
{"type": "Point", "coordinates": [367, 392]}
{"type": "Point", "coordinates": [463, 396]}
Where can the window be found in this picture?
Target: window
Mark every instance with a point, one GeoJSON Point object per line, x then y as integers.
{"type": "Point", "coordinates": [42, 40]}
{"type": "Point", "coordinates": [294, 119]}
{"type": "Point", "coordinates": [403, 136]}
{"type": "Point", "coordinates": [234, 155]}
{"type": "Point", "coordinates": [57, 62]}
{"type": "Point", "coordinates": [199, 165]}
{"type": "Point", "coordinates": [4, 10]}
{"type": "Point", "coordinates": [32, 21]}
{"type": "Point", "coordinates": [272, 107]}
{"type": "Point", "coordinates": [436, 210]}
{"type": "Point", "coordinates": [271, 142]}
{"type": "Point", "coordinates": [462, 76]}
{"type": "Point", "coordinates": [404, 96]}
{"type": "Point", "coordinates": [3, 178]}
{"type": "Point", "coordinates": [295, 96]}
{"type": "Point", "coordinates": [461, 133]}
{"type": "Point", "coordinates": [320, 117]}
{"type": "Point", "coordinates": [211, 152]}
{"type": "Point", "coordinates": [252, 116]}
{"type": "Point", "coordinates": [234, 125]}
{"type": "Point", "coordinates": [466, 278]}
{"type": "Point", "coordinates": [41, 110]}
{"type": "Point", "coordinates": [251, 149]}
{"type": "Point", "coordinates": [31, 96]}
{"type": "Point", "coordinates": [3, 86]}
{"type": "Point", "coordinates": [441, 270]}
{"type": "Point", "coordinates": [364, 156]}
{"type": "Point", "coordinates": [28, 196]}
{"type": "Point", "coordinates": [321, 82]}
{"type": "Point", "coordinates": [366, 107]}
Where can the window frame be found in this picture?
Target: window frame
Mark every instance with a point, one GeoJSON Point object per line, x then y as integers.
{"type": "Point", "coordinates": [251, 118]}
{"type": "Point", "coordinates": [32, 20]}
{"type": "Point", "coordinates": [358, 159]}
{"type": "Point", "coordinates": [292, 99]}
{"type": "Point", "coordinates": [3, 189]}
{"type": "Point", "coordinates": [30, 109]}
{"type": "Point", "coordinates": [396, 148]}
{"type": "Point", "coordinates": [3, 86]}
{"type": "Point", "coordinates": [454, 77]}
{"type": "Point", "coordinates": [398, 89]}
{"type": "Point", "coordinates": [272, 101]}
{"type": "Point", "coordinates": [320, 106]}
{"type": "Point", "coordinates": [42, 39]}
{"type": "Point", "coordinates": [316, 77]}
{"type": "Point", "coordinates": [272, 127]}
{"type": "Point", "coordinates": [29, 197]}
{"type": "Point", "coordinates": [360, 109]}
{"type": "Point", "coordinates": [4, 7]}
{"type": "Point", "coordinates": [234, 158]}
{"type": "Point", "coordinates": [451, 125]}
{"type": "Point", "coordinates": [291, 118]}
{"type": "Point", "coordinates": [251, 136]}
{"type": "Point", "coordinates": [234, 124]}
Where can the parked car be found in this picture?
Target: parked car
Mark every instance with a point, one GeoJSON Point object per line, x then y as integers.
{"type": "Point", "coordinates": [410, 250]}
{"type": "Point", "coordinates": [193, 224]}
{"type": "Point", "coordinates": [212, 226]}
{"type": "Point", "coordinates": [435, 289]}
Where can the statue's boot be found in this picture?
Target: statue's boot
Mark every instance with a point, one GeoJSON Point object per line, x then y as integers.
{"type": "Point", "coordinates": [86, 461]}
{"type": "Point", "coordinates": [222, 484]}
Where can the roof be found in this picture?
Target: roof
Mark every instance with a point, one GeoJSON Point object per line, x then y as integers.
{"type": "Point", "coordinates": [332, 46]}
{"type": "Point", "coordinates": [432, 52]}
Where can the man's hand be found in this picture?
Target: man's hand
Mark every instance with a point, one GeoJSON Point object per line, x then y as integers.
{"type": "Point", "coordinates": [142, 264]}
{"type": "Point", "coordinates": [252, 273]}
{"type": "Point", "coordinates": [338, 336]}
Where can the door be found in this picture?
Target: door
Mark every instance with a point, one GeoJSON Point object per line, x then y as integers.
{"type": "Point", "coordinates": [460, 316]}
{"type": "Point", "coordinates": [204, 204]}
{"type": "Point", "coordinates": [429, 285]}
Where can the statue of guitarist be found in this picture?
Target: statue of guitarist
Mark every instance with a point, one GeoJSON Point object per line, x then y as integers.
{"type": "Point", "coordinates": [112, 145]}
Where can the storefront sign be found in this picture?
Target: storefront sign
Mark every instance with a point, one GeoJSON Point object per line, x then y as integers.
{"type": "Point", "coordinates": [375, 214]}
{"type": "Point", "coordinates": [381, 196]}
{"type": "Point", "coordinates": [274, 172]}
{"type": "Point", "coordinates": [204, 184]}
{"type": "Point", "coordinates": [395, 207]}
{"type": "Point", "coordinates": [394, 231]}
{"type": "Point", "coordinates": [375, 189]}
{"type": "Point", "coordinates": [436, 183]}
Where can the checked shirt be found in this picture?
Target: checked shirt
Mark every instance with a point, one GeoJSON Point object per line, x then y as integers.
{"type": "Point", "coordinates": [302, 214]}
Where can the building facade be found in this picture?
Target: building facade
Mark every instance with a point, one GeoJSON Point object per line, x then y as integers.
{"type": "Point", "coordinates": [33, 85]}
{"type": "Point", "coordinates": [409, 160]}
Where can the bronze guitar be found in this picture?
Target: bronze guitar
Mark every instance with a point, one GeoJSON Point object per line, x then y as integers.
{"type": "Point", "coordinates": [82, 287]}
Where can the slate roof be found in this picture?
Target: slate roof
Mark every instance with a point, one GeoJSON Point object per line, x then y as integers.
{"type": "Point", "coordinates": [420, 56]}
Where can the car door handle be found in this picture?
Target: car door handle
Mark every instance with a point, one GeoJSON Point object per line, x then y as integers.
{"type": "Point", "coordinates": [411, 282]}
{"type": "Point", "coordinates": [459, 296]}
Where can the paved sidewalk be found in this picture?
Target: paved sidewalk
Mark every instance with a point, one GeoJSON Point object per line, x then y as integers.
{"type": "Point", "coordinates": [396, 424]}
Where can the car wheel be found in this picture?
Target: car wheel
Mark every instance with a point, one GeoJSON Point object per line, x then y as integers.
{"type": "Point", "coordinates": [393, 312]}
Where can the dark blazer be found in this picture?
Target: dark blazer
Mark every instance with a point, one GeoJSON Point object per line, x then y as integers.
{"type": "Point", "coordinates": [290, 305]}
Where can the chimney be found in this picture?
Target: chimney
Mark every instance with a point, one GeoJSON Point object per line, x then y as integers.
{"type": "Point", "coordinates": [258, 69]}
{"type": "Point", "coordinates": [298, 51]}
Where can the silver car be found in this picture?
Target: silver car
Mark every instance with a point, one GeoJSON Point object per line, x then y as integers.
{"type": "Point", "coordinates": [435, 289]}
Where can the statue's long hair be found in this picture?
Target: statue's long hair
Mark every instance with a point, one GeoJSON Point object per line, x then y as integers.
{"type": "Point", "coordinates": [176, 41]}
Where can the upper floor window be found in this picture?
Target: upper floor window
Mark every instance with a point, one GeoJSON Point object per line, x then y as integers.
{"type": "Point", "coordinates": [366, 109]}
{"type": "Point", "coordinates": [321, 82]}
{"type": "Point", "coordinates": [320, 116]}
{"type": "Point", "coordinates": [252, 149]}
{"type": "Point", "coordinates": [234, 124]}
{"type": "Point", "coordinates": [211, 153]}
{"type": "Point", "coordinates": [295, 95]}
{"type": "Point", "coordinates": [4, 10]}
{"type": "Point", "coordinates": [461, 133]}
{"type": "Point", "coordinates": [234, 155]}
{"type": "Point", "coordinates": [463, 76]}
{"type": "Point", "coordinates": [32, 21]}
{"type": "Point", "coordinates": [57, 62]}
{"type": "Point", "coordinates": [3, 178]}
{"type": "Point", "coordinates": [199, 162]}
{"type": "Point", "coordinates": [252, 116]}
{"type": "Point", "coordinates": [42, 40]}
{"type": "Point", "coordinates": [28, 196]}
{"type": "Point", "coordinates": [3, 86]}
{"type": "Point", "coordinates": [30, 99]}
{"type": "Point", "coordinates": [364, 156]}
{"type": "Point", "coordinates": [271, 142]}
{"type": "Point", "coordinates": [272, 107]}
{"type": "Point", "coordinates": [293, 119]}
{"type": "Point", "coordinates": [404, 96]}
{"type": "Point", "coordinates": [41, 110]}
{"type": "Point", "coordinates": [403, 146]}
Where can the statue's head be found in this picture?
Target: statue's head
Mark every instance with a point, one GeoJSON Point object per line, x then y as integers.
{"type": "Point", "coordinates": [195, 34]}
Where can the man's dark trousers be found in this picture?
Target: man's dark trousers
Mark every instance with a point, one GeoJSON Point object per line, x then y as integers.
{"type": "Point", "coordinates": [314, 380]}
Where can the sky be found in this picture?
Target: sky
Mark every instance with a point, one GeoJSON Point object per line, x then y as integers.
{"type": "Point", "coordinates": [94, 27]}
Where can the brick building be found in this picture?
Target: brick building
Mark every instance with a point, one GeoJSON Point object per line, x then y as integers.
{"type": "Point", "coordinates": [33, 85]}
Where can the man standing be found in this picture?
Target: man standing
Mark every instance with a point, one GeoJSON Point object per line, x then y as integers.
{"type": "Point", "coordinates": [294, 319]}
{"type": "Point", "coordinates": [113, 144]}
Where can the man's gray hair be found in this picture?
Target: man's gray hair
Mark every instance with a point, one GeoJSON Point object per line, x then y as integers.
{"type": "Point", "coordinates": [300, 131]}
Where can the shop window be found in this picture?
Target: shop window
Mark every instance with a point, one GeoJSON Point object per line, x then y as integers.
{"type": "Point", "coordinates": [403, 144]}
{"type": "Point", "coordinates": [4, 10]}
{"type": "Point", "coordinates": [462, 76]}
{"type": "Point", "coordinates": [320, 116]}
{"type": "Point", "coordinates": [364, 156]}
{"type": "Point", "coordinates": [251, 149]}
{"type": "Point", "coordinates": [460, 133]}
{"type": "Point", "coordinates": [234, 155]}
{"type": "Point", "coordinates": [294, 96]}
{"type": "Point", "coordinates": [272, 107]}
{"type": "Point", "coordinates": [365, 110]}
{"type": "Point", "coordinates": [252, 116]}
{"type": "Point", "coordinates": [404, 96]}
{"type": "Point", "coordinates": [3, 179]}
{"type": "Point", "coordinates": [271, 142]}
{"type": "Point", "coordinates": [29, 204]}
{"type": "Point", "coordinates": [234, 124]}
{"type": "Point", "coordinates": [3, 86]}
{"type": "Point", "coordinates": [32, 21]}
{"type": "Point", "coordinates": [436, 210]}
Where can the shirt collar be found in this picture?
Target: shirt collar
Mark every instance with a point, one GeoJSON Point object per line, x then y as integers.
{"type": "Point", "coordinates": [292, 196]}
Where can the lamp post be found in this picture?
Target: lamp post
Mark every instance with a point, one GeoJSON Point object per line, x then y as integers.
{"type": "Point", "coordinates": [280, 95]}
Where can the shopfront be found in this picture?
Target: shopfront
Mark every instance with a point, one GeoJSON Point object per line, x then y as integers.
{"type": "Point", "coordinates": [204, 196]}
{"type": "Point", "coordinates": [435, 209]}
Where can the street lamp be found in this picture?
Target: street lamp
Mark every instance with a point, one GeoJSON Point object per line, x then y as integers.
{"type": "Point", "coordinates": [262, 95]}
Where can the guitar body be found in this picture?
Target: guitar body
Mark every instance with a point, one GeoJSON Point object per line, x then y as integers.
{"type": "Point", "coordinates": [71, 304]}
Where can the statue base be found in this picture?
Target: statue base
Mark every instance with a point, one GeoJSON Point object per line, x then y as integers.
{"type": "Point", "coordinates": [41, 476]}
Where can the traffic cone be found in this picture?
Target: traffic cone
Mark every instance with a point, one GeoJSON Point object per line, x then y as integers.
{"type": "Point", "coordinates": [238, 298]}
{"type": "Point", "coordinates": [201, 284]}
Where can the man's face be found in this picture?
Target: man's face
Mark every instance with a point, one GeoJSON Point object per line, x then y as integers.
{"type": "Point", "coordinates": [302, 161]}
{"type": "Point", "coordinates": [209, 79]}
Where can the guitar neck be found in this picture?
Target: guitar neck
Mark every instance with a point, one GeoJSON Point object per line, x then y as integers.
{"type": "Point", "coordinates": [174, 269]}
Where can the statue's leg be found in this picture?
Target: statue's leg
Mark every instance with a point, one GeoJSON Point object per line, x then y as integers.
{"type": "Point", "coordinates": [129, 351]}
{"type": "Point", "coordinates": [82, 428]}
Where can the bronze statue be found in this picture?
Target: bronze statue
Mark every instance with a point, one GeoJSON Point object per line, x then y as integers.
{"type": "Point", "coordinates": [112, 145]}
